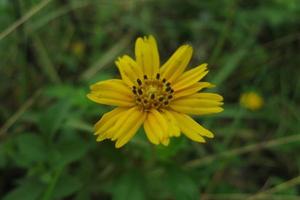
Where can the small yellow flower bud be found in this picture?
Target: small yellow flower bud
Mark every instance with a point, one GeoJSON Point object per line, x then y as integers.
{"type": "Point", "coordinates": [251, 100]}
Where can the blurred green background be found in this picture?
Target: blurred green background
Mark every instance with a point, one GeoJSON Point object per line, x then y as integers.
{"type": "Point", "coordinates": [51, 51]}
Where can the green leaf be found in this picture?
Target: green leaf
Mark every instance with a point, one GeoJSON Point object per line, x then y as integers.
{"type": "Point", "coordinates": [166, 153]}
{"type": "Point", "coordinates": [182, 185]}
{"type": "Point", "coordinates": [66, 186]}
{"type": "Point", "coordinates": [129, 186]}
{"type": "Point", "coordinates": [63, 92]}
{"type": "Point", "coordinates": [70, 150]}
{"type": "Point", "coordinates": [51, 120]}
{"type": "Point", "coordinates": [27, 190]}
{"type": "Point", "coordinates": [30, 148]}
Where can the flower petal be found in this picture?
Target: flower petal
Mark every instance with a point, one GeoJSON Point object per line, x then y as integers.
{"type": "Point", "coordinates": [129, 70]}
{"type": "Point", "coordinates": [191, 128]}
{"type": "Point", "coordinates": [156, 127]}
{"type": "Point", "coordinates": [109, 121]}
{"type": "Point", "coordinates": [108, 117]}
{"type": "Point", "coordinates": [122, 127]}
{"type": "Point", "coordinates": [147, 55]}
{"type": "Point", "coordinates": [130, 127]}
{"type": "Point", "coordinates": [196, 104]}
{"type": "Point", "coordinates": [150, 131]}
{"type": "Point", "coordinates": [208, 96]}
{"type": "Point", "coordinates": [189, 109]}
{"type": "Point", "coordinates": [118, 128]}
{"type": "Point", "coordinates": [111, 92]}
{"type": "Point", "coordinates": [173, 129]}
{"type": "Point", "coordinates": [190, 77]}
{"type": "Point", "coordinates": [177, 63]}
{"type": "Point", "coordinates": [192, 89]}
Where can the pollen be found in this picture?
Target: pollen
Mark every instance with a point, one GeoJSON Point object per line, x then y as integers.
{"type": "Point", "coordinates": [152, 93]}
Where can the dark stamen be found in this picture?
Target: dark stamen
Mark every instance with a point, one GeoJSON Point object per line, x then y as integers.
{"type": "Point", "coordinates": [140, 91]}
{"type": "Point", "coordinates": [134, 91]}
{"type": "Point", "coordinates": [157, 76]}
{"type": "Point", "coordinates": [155, 104]}
{"type": "Point", "coordinates": [139, 81]}
{"type": "Point", "coordinates": [168, 89]}
{"type": "Point", "coordinates": [170, 97]}
{"type": "Point", "coordinates": [152, 96]}
{"type": "Point", "coordinates": [145, 77]}
{"type": "Point", "coordinates": [164, 80]}
{"type": "Point", "coordinates": [138, 99]}
{"type": "Point", "coordinates": [145, 101]}
{"type": "Point", "coordinates": [168, 84]}
{"type": "Point", "coordinates": [172, 91]}
{"type": "Point", "coordinates": [134, 87]}
{"type": "Point", "coordinates": [166, 102]}
{"type": "Point", "coordinates": [161, 98]}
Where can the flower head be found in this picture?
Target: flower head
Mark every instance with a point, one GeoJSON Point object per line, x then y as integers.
{"type": "Point", "coordinates": [78, 48]}
{"type": "Point", "coordinates": [251, 100]}
{"type": "Point", "coordinates": [158, 97]}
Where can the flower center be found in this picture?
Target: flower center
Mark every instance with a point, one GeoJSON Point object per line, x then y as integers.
{"type": "Point", "coordinates": [152, 93]}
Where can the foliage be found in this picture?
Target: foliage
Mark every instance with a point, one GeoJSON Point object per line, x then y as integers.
{"type": "Point", "coordinates": [47, 148]}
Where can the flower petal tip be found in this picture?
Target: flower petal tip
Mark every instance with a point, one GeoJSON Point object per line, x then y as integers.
{"type": "Point", "coordinates": [118, 145]}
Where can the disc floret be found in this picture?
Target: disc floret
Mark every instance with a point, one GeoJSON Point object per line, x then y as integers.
{"type": "Point", "coordinates": [152, 93]}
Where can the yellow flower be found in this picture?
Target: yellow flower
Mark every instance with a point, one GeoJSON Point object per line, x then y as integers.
{"type": "Point", "coordinates": [251, 100]}
{"type": "Point", "coordinates": [78, 48]}
{"type": "Point", "coordinates": [157, 97]}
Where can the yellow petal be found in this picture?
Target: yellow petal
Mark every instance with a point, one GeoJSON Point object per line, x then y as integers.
{"type": "Point", "coordinates": [190, 77]}
{"type": "Point", "coordinates": [155, 54]}
{"type": "Point", "coordinates": [111, 92]}
{"type": "Point", "coordinates": [177, 63]}
{"type": "Point", "coordinates": [166, 142]}
{"type": "Point", "coordinates": [112, 85]}
{"type": "Point", "coordinates": [109, 129]}
{"type": "Point", "coordinates": [192, 89]}
{"type": "Point", "coordinates": [110, 101]}
{"type": "Point", "coordinates": [150, 132]}
{"type": "Point", "coordinates": [129, 70]}
{"type": "Point", "coordinates": [156, 127]}
{"type": "Point", "coordinates": [108, 121]}
{"type": "Point", "coordinates": [147, 55]}
{"type": "Point", "coordinates": [191, 128]}
{"type": "Point", "coordinates": [108, 116]}
{"type": "Point", "coordinates": [130, 129]}
{"type": "Point", "coordinates": [198, 104]}
{"type": "Point", "coordinates": [196, 110]}
{"type": "Point", "coordinates": [115, 131]}
{"type": "Point", "coordinates": [173, 129]}
{"type": "Point", "coordinates": [126, 123]}
{"type": "Point", "coordinates": [208, 96]}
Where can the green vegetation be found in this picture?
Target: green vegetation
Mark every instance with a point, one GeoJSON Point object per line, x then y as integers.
{"type": "Point", "coordinates": [51, 51]}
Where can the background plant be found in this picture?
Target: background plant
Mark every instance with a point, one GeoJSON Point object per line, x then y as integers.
{"type": "Point", "coordinates": [52, 50]}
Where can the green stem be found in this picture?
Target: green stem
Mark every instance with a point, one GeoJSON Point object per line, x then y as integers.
{"type": "Point", "coordinates": [52, 184]}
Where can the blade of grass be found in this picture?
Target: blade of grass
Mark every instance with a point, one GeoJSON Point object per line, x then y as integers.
{"type": "Point", "coordinates": [44, 61]}
{"type": "Point", "coordinates": [225, 32]}
{"type": "Point", "coordinates": [285, 185]}
{"type": "Point", "coordinates": [229, 67]}
{"type": "Point", "coordinates": [241, 196]}
{"type": "Point", "coordinates": [107, 58]}
{"type": "Point", "coordinates": [24, 18]}
{"type": "Point", "coordinates": [58, 13]}
{"type": "Point", "coordinates": [19, 113]}
{"type": "Point", "coordinates": [243, 150]}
